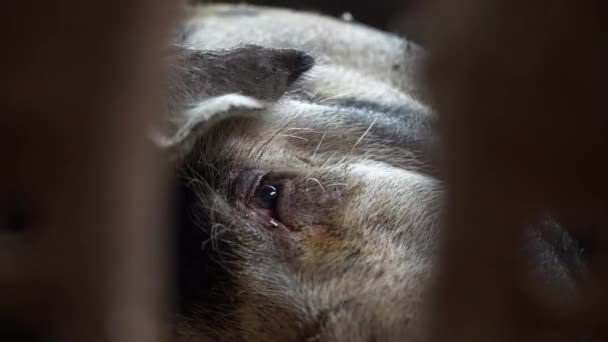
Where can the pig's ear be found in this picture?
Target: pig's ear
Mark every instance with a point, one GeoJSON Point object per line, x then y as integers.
{"type": "Point", "coordinates": [207, 87]}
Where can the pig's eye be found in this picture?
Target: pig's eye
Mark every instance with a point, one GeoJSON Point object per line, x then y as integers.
{"type": "Point", "coordinates": [265, 198]}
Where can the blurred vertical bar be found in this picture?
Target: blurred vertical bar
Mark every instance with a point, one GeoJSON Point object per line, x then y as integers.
{"type": "Point", "coordinates": [518, 86]}
{"type": "Point", "coordinates": [80, 186]}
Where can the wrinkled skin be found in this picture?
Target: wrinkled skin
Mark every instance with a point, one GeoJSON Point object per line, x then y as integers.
{"type": "Point", "coordinates": [308, 199]}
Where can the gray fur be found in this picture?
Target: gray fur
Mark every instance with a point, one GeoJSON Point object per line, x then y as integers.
{"type": "Point", "coordinates": [349, 142]}
{"type": "Point", "coordinates": [209, 86]}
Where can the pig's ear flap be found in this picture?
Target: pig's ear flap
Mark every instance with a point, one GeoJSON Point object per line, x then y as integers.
{"type": "Point", "coordinates": [182, 129]}
{"type": "Point", "coordinates": [207, 87]}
